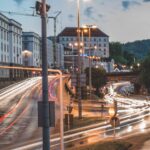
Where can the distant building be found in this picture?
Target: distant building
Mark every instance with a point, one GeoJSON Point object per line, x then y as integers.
{"type": "Point", "coordinates": [59, 56]}
{"type": "Point", "coordinates": [31, 45]}
{"type": "Point", "coordinates": [59, 53]}
{"type": "Point", "coordinates": [10, 43]}
{"type": "Point", "coordinates": [99, 47]}
{"type": "Point", "coordinates": [50, 53]}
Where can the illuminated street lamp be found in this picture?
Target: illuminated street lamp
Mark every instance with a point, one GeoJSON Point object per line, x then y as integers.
{"type": "Point", "coordinates": [72, 46]}
{"type": "Point", "coordinates": [89, 27]}
{"type": "Point", "coordinates": [26, 55]}
{"type": "Point", "coordinates": [138, 64]}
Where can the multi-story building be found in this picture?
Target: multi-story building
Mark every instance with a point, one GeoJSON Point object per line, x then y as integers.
{"type": "Point", "coordinates": [50, 54]}
{"type": "Point", "coordinates": [31, 45]}
{"type": "Point", "coordinates": [98, 39]}
{"type": "Point", "coordinates": [10, 43]}
{"type": "Point", "coordinates": [59, 56]}
{"type": "Point", "coordinates": [97, 46]}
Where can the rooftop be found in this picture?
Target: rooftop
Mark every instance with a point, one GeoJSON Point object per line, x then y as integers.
{"type": "Point", "coordinates": [72, 31]}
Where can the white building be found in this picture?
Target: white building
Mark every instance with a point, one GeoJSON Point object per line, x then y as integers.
{"type": "Point", "coordinates": [59, 56]}
{"type": "Point", "coordinates": [50, 53]}
{"type": "Point", "coordinates": [98, 46]}
{"type": "Point", "coordinates": [99, 39]}
{"type": "Point", "coordinates": [31, 45]}
{"type": "Point", "coordinates": [10, 43]}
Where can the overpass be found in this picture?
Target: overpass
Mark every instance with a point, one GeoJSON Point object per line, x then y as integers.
{"type": "Point", "coordinates": [122, 76]}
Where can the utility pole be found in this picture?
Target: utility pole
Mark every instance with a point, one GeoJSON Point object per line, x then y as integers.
{"type": "Point", "coordinates": [54, 40]}
{"type": "Point", "coordinates": [79, 63]}
{"type": "Point", "coordinates": [41, 9]}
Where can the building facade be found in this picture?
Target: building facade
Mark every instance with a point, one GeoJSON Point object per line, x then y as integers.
{"type": "Point", "coordinates": [99, 40]}
{"type": "Point", "coordinates": [96, 46]}
{"type": "Point", "coordinates": [31, 47]}
{"type": "Point", "coordinates": [50, 54]}
{"type": "Point", "coordinates": [10, 44]}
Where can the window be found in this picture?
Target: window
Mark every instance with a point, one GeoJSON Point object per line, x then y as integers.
{"type": "Point", "coordinates": [1, 33]}
{"type": "Point", "coordinates": [2, 46]}
{"type": "Point", "coordinates": [104, 45]}
{"type": "Point", "coordinates": [104, 40]}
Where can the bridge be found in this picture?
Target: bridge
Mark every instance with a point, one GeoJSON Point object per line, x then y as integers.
{"type": "Point", "coordinates": [122, 76]}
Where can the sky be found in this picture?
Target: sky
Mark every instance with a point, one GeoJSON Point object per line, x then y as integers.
{"type": "Point", "coordinates": [122, 20]}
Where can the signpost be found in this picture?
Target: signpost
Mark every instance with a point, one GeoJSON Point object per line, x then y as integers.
{"type": "Point", "coordinates": [114, 120]}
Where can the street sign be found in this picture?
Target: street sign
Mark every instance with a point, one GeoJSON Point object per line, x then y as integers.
{"type": "Point", "coordinates": [114, 121]}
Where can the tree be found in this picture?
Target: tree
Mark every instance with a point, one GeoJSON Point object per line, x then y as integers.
{"type": "Point", "coordinates": [119, 55]}
{"type": "Point", "coordinates": [98, 78]}
{"type": "Point", "coordinates": [145, 73]}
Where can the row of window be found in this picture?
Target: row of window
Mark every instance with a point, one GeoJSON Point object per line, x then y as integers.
{"type": "Point", "coordinates": [4, 47]}
{"type": "Point", "coordinates": [5, 36]}
{"type": "Point", "coordinates": [87, 45]}
{"type": "Point", "coordinates": [70, 52]}
{"type": "Point", "coordinates": [95, 39]}
{"type": "Point", "coordinates": [3, 24]}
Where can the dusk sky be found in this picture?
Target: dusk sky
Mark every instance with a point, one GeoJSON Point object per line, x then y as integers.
{"type": "Point", "coordinates": [122, 20]}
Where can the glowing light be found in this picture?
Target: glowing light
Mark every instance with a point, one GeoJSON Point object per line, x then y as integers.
{"type": "Point", "coordinates": [142, 126]}
{"type": "Point", "coordinates": [129, 129]}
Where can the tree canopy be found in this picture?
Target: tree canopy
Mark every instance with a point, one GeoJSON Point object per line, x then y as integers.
{"type": "Point", "coordinates": [98, 77]}
{"type": "Point", "coordinates": [145, 73]}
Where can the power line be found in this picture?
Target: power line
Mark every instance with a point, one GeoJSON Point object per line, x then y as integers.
{"type": "Point", "coordinates": [18, 13]}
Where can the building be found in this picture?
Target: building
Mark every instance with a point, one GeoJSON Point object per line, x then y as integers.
{"type": "Point", "coordinates": [50, 54]}
{"type": "Point", "coordinates": [10, 44]}
{"type": "Point", "coordinates": [59, 56]}
{"type": "Point", "coordinates": [31, 46]}
{"type": "Point", "coordinates": [98, 39]}
{"type": "Point", "coordinates": [98, 47]}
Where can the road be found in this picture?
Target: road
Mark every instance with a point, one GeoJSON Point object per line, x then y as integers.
{"type": "Point", "coordinates": [19, 124]}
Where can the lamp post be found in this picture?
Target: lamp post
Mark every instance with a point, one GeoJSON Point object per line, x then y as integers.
{"type": "Point", "coordinates": [89, 27]}
{"type": "Point", "coordinates": [72, 47]}
{"type": "Point", "coordinates": [79, 63]}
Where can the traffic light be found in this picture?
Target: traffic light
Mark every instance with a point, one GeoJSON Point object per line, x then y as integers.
{"type": "Point", "coordinates": [38, 7]}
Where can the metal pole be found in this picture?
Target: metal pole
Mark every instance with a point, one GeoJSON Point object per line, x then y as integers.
{"type": "Point", "coordinates": [82, 70]}
{"type": "Point", "coordinates": [90, 74]}
{"type": "Point", "coordinates": [46, 131]}
{"type": "Point", "coordinates": [72, 58]}
{"type": "Point", "coordinates": [54, 43]}
{"type": "Point", "coordinates": [79, 62]}
{"type": "Point", "coordinates": [61, 113]}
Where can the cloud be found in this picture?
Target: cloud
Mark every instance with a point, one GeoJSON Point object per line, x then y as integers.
{"type": "Point", "coordinates": [88, 11]}
{"type": "Point", "coordinates": [146, 0]}
{"type": "Point", "coordinates": [100, 15]}
{"type": "Point", "coordinates": [70, 16]}
{"type": "Point", "coordinates": [126, 4]}
{"type": "Point", "coordinates": [18, 1]}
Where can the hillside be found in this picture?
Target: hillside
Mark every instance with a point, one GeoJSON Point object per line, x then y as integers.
{"type": "Point", "coordinates": [139, 48]}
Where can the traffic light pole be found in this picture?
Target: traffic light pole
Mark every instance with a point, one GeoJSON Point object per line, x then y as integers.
{"type": "Point", "coordinates": [46, 130]}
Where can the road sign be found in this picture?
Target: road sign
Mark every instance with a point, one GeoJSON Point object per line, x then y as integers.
{"type": "Point", "coordinates": [114, 121]}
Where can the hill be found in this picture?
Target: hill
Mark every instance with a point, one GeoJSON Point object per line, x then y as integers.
{"type": "Point", "coordinates": [139, 48]}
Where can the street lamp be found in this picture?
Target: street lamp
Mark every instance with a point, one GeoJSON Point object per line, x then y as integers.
{"type": "Point", "coordinates": [26, 54]}
{"type": "Point", "coordinates": [82, 39]}
{"type": "Point", "coordinates": [89, 27]}
{"type": "Point", "coordinates": [72, 46]}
